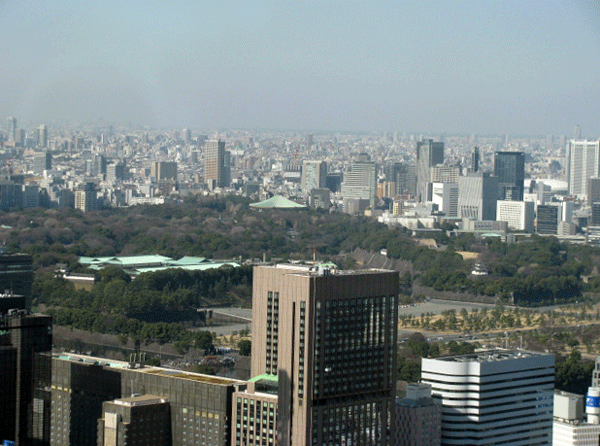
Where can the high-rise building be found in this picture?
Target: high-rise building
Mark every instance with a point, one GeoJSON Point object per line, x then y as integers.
{"type": "Point", "coordinates": [477, 196]}
{"type": "Point", "coordinates": [403, 177]}
{"type": "Point", "coordinates": [186, 134]}
{"type": "Point", "coordinates": [577, 132]}
{"type": "Point", "coordinates": [136, 421]}
{"type": "Point", "coordinates": [441, 173]}
{"type": "Point", "coordinates": [583, 163]}
{"type": "Point", "coordinates": [215, 172]}
{"type": "Point", "coordinates": [329, 339]}
{"type": "Point", "coordinates": [314, 175]}
{"type": "Point", "coordinates": [429, 154]}
{"type": "Point", "coordinates": [12, 129]}
{"type": "Point", "coordinates": [43, 136]}
{"type": "Point", "coordinates": [475, 160]}
{"type": "Point", "coordinates": [95, 166]}
{"type": "Point", "coordinates": [86, 199]}
{"type": "Point", "coordinates": [499, 397]}
{"type": "Point", "coordinates": [164, 171]}
{"type": "Point", "coordinates": [445, 196]}
{"type": "Point", "coordinates": [24, 373]}
{"type": "Point", "coordinates": [509, 168]}
{"type": "Point", "coordinates": [593, 189]}
{"type": "Point", "coordinates": [360, 182]}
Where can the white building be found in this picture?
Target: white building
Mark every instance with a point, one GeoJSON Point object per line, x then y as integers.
{"type": "Point", "coordinates": [445, 195]}
{"type": "Point", "coordinates": [499, 397]}
{"type": "Point", "coordinates": [583, 163]}
{"type": "Point", "coordinates": [520, 215]}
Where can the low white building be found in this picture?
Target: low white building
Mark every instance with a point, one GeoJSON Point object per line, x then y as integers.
{"type": "Point", "coordinates": [520, 215]}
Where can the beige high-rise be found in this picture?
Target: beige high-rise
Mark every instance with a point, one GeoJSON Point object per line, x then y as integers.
{"type": "Point", "coordinates": [330, 339]}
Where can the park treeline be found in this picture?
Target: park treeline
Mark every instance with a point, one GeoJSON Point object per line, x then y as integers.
{"type": "Point", "coordinates": [534, 271]}
{"type": "Point", "coordinates": [113, 301]}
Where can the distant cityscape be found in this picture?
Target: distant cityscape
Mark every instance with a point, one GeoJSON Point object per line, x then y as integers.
{"type": "Point", "coordinates": [490, 184]}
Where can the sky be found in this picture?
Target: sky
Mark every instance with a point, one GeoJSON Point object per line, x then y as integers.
{"type": "Point", "coordinates": [485, 67]}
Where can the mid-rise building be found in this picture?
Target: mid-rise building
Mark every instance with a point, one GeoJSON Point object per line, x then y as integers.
{"type": "Point", "coordinates": [164, 171]}
{"type": "Point", "coordinates": [360, 182]}
{"type": "Point", "coordinates": [499, 397]}
{"type": "Point", "coordinates": [329, 339]}
{"type": "Point", "coordinates": [583, 163]}
{"type": "Point", "coordinates": [135, 421]}
{"type": "Point", "coordinates": [86, 198]}
{"type": "Point", "coordinates": [16, 274]}
{"type": "Point", "coordinates": [477, 196]}
{"type": "Point", "coordinates": [418, 418]}
{"type": "Point", "coordinates": [520, 215]}
{"type": "Point", "coordinates": [254, 415]}
{"type": "Point", "coordinates": [314, 175]}
{"type": "Point", "coordinates": [547, 218]}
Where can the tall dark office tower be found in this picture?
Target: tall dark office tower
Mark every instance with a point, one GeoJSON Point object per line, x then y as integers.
{"type": "Point", "coordinates": [475, 160]}
{"type": "Point", "coordinates": [547, 217]}
{"type": "Point", "coordinates": [24, 373]}
{"type": "Point", "coordinates": [429, 154]}
{"type": "Point", "coordinates": [16, 274]}
{"type": "Point", "coordinates": [216, 174]}
{"type": "Point", "coordinates": [509, 168]}
{"type": "Point", "coordinates": [403, 177]}
{"type": "Point", "coordinates": [329, 339]}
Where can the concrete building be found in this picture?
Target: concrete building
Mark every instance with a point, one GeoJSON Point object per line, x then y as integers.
{"type": "Point", "coordinates": [254, 415]}
{"type": "Point", "coordinates": [477, 196]}
{"type": "Point", "coordinates": [429, 154]}
{"type": "Point", "coordinates": [418, 418]}
{"type": "Point", "coordinates": [86, 198]}
{"type": "Point", "coordinates": [136, 421]}
{"type": "Point", "coordinates": [547, 218]}
{"type": "Point", "coordinates": [329, 339]}
{"type": "Point", "coordinates": [509, 168]}
{"type": "Point", "coordinates": [583, 163]}
{"type": "Point", "coordinates": [163, 171]}
{"type": "Point", "coordinates": [314, 175]}
{"type": "Point", "coordinates": [499, 397]}
{"type": "Point", "coordinates": [216, 174]}
{"type": "Point", "coordinates": [320, 198]}
{"type": "Point", "coordinates": [24, 373]}
{"type": "Point", "coordinates": [445, 174]}
{"type": "Point", "coordinates": [43, 136]}
{"type": "Point", "coordinates": [570, 427]}
{"type": "Point", "coordinates": [42, 161]}
{"type": "Point", "coordinates": [520, 215]}
{"type": "Point", "coordinates": [361, 181]}
{"type": "Point", "coordinates": [445, 196]}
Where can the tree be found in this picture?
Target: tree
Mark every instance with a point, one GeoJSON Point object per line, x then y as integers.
{"type": "Point", "coordinates": [245, 347]}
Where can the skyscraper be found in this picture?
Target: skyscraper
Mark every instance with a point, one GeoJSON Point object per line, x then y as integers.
{"type": "Point", "coordinates": [215, 172]}
{"type": "Point", "coordinates": [42, 161]}
{"type": "Point", "coordinates": [583, 163]}
{"type": "Point", "coordinates": [12, 129]}
{"type": "Point", "coordinates": [429, 154]}
{"type": "Point", "coordinates": [499, 397]}
{"type": "Point", "coordinates": [164, 171]}
{"type": "Point", "coordinates": [329, 339]}
{"type": "Point", "coordinates": [475, 160]}
{"type": "Point", "coordinates": [314, 175]}
{"type": "Point", "coordinates": [509, 168]}
{"type": "Point", "coordinates": [43, 136]}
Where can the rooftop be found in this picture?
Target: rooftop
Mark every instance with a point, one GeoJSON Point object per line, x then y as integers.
{"type": "Point", "coordinates": [489, 356]}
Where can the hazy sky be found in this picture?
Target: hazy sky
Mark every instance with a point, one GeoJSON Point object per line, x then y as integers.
{"type": "Point", "coordinates": [518, 67]}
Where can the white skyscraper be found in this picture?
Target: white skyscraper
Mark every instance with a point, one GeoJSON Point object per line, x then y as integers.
{"type": "Point", "coordinates": [499, 397]}
{"type": "Point", "coordinates": [361, 181]}
{"type": "Point", "coordinates": [583, 163]}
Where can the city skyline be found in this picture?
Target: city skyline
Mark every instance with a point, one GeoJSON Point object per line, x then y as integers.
{"type": "Point", "coordinates": [457, 67]}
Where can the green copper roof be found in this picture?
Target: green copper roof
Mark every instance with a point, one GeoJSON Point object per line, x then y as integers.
{"type": "Point", "coordinates": [277, 202]}
{"type": "Point", "coordinates": [265, 376]}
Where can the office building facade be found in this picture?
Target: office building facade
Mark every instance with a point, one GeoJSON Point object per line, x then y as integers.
{"type": "Point", "coordinates": [500, 397]}
{"type": "Point", "coordinates": [429, 154]}
{"type": "Point", "coordinates": [24, 373]}
{"type": "Point", "coordinates": [329, 338]}
{"type": "Point", "coordinates": [163, 171]}
{"type": "Point", "coordinates": [477, 196]}
{"type": "Point", "coordinates": [509, 168]}
{"type": "Point", "coordinates": [520, 215]}
{"type": "Point", "coordinates": [547, 219]}
{"type": "Point", "coordinates": [360, 182]}
{"type": "Point", "coordinates": [418, 418]}
{"type": "Point", "coordinates": [583, 163]}
{"type": "Point", "coordinates": [314, 175]}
